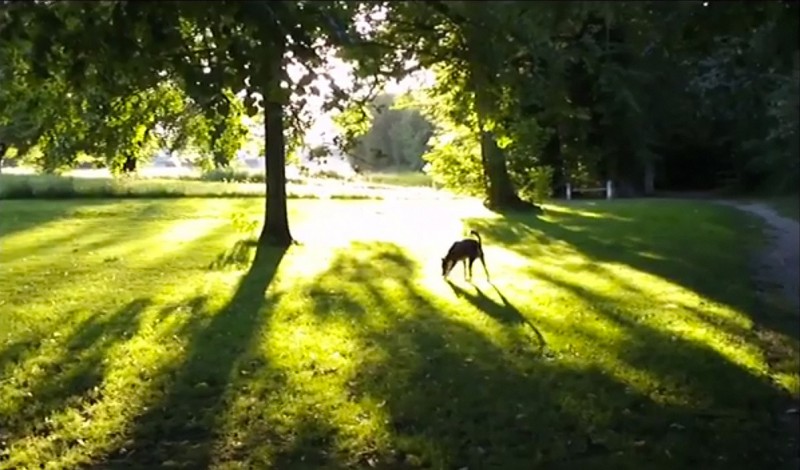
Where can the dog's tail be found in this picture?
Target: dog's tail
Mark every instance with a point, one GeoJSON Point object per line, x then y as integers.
{"type": "Point", "coordinates": [478, 236]}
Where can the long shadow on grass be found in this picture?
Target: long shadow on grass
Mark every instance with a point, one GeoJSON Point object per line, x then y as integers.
{"type": "Point", "coordinates": [182, 427]}
{"type": "Point", "coordinates": [455, 396]}
{"type": "Point", "coordinates": [21, 215]}
{"type": "Point", "coordinates": [69, 368]}
{"type": "Point", "coordinates": [503, 312]}
{"type": "Point", "coordinates": [686, 242]}
{"type": "Point", "coordinates": [95, 218]}
{"type": "Point", "coordinates": [726, 398]}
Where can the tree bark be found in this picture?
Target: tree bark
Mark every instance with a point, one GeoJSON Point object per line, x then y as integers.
{"type": "Point", "coordinates": [649, 177]}
{"type": "Point", "coordinates": [3, 150]}
{"type": "Point", "coordinates": [500, 193]}
{"type": "Point", "coordinates": [276, 221]}
{"type": "Point", "coordinates": [129, 165]}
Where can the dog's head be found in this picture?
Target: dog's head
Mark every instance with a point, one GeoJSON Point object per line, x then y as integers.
{"type": "Point", "coordinates": [447, 266]}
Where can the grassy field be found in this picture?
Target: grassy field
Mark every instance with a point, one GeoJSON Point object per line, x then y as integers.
{"type": "Point", "coordinates": [400, 179]}
{"type": "Point", "coordinates": [30, 186]}
{"type": "Point", "coordinates": [146, 333]}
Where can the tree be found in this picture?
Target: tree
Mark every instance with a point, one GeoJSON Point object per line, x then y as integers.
{"type": "Point", "coordinates": [466, 43]}
{"type": "Point", "coordinates": [396, 138]}
{"type": "Point", "coordinates": [111, 52]}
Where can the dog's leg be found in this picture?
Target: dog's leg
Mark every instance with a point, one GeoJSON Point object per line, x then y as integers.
{"type": "Point", "coordinates": [483, 262]}
{"type": "Point", "coordinates": [471, 260]}
{"type": "Point", "coordinates": [465, 268]}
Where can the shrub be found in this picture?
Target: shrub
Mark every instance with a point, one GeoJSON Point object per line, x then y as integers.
{"type": "Point", "coordinates": [537, 187]}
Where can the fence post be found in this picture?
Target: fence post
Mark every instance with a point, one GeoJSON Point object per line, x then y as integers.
{"type": "Point", "coordinates": [609, 190]}
{"type": "Point", "coordinates": [569, 192]}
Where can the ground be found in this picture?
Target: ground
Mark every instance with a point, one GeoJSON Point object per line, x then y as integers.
{"type": "Point", "coordinates": [623, 334]}
{"type": "Point", "coordinates": [777, 264]}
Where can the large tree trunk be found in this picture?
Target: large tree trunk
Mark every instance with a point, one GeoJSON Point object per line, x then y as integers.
{"type": "Point", "coordinates": [649, 177]}
{"type": "Point", "coordinates": [129, 165]}
{"type": "Point", "coordinates": [3, 150]}
{"type": "Point", "coordinates": [276, 221]}
{"type": "Point", "coordinates": [500, 193]}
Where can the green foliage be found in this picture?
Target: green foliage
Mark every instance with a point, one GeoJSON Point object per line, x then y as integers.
{"type": "Point", "coordinates": [232, 175]}
{"type": "Point", "coordinates": [388, 137]}
{"type": "Point", "coordinates": [455, 161]}
{"type": "Point", "coordinates": [537, 186]}
{"type": "Point", "coordinates": [243, 223]}
{"type": "Point", "coordinates": [564, 84]}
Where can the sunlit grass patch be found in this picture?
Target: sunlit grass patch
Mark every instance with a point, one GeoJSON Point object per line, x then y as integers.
{"type": "Point", "coordinates": [404, 178]}
{"type": "Point", "coordinates": [613, 335]}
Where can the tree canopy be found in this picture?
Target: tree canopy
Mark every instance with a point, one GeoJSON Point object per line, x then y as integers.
{"type": "Point", "coordinates": [649, 94]}
{"type": "Point", "coordinates": [112, 77]}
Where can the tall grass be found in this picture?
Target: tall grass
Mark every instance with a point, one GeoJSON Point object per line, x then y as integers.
{"type": "Point", "coordinates": [16, 186]}
{"type": "Point", "coordinates": [410, 179]}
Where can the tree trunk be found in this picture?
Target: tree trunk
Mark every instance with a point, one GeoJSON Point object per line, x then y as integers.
{"type": "Point", "coordinates": [500, 193]}
{"type": "Point", "coordinates": [129, 165]}
{"type": "Point", "coordinates": [276, 221]}
{"type": "Point", "coordinates": [649, 177]}
{"type": "Point", "coordinates": [3, 150]}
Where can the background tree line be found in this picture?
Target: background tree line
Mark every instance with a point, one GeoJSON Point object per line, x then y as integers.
{"type": "Point", "coordinates": [678, 95]}
{"type": "Point", "coordinates": [682, 95]}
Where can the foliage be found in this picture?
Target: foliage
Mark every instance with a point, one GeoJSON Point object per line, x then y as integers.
{"type": "Point", "coordinates": [455, 160]}
{"type": "Point", "coordinates": [395, 138]}
{"type": "Point", "coordinates": [569, 85]}
{"type": "Point", "coordinates": [232, 175]}
{"type": "Point", "coordinates": [537, 185]}
{"type": "Point", "coordinates": [209, 53]}
{"type": "Point", "coordinates": [573, 87]}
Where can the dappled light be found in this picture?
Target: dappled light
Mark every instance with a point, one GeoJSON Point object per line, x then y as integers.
{"type": "Point", "coordinates": [399, 235]}
{"type": "Point", "coordinates": [594, 344]}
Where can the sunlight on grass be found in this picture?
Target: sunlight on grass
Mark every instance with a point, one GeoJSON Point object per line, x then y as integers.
{"type": "Point", "coordinates": [174, 340]}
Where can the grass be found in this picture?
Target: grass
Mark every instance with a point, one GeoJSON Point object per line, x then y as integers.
{"type": "Point", "coordinates": [148, 333]}
{"type": "Point", "coordinates": [15, 186]}
{"type": "Point", "coordinates": [216, 184]}
{"type": "Point", "coordinates": [407, 179]}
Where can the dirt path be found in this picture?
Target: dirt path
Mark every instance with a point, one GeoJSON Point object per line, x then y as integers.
{"type": "Point", "coordinates": [777, 272]}
{"type": "Point", "coordinates": [778, 264]}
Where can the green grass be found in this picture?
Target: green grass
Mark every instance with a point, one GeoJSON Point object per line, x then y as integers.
{"type": "Point", "coordinates": [407, 179]}
{"type": "Point", "coordinates": [148, 333]}
{"type": "Point", "coordinates": [14, 186]}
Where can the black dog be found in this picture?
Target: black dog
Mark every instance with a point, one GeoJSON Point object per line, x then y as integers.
{"type": "Point", "coordinates": [466, 249]}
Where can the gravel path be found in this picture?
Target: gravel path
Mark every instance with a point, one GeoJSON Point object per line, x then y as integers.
{"type": "Point", "coordinates": [779, 262]}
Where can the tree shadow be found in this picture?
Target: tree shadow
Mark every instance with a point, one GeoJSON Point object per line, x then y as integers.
{"type": "Point", "coordinates": [66, 369]}
{"type": "Point", "coordinates": [237, 257]}
{"type": "Point", "coordinates": [657, 246]}
{"type": "Point", "coordinates": [181, 427]}
{"type": "Point", "coordinates": [22, 215]}
{"type": "Point", "coordinates": [503, 312]}
{"type": "Point", "coordinates": [725, 399]}
{"type": "Point", "coordinates": [454, 396]}
{"type": "Point", "coordinates": [93, 217]}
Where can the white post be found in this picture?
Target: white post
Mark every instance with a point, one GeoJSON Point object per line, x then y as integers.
{"type": "Point", "coordinates": [569, 192]}
{"type": "Point", "coordinates": [609, 190]}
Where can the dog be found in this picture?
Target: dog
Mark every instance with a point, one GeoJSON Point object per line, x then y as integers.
{"type": "Point", "coordinates": [463, 250]}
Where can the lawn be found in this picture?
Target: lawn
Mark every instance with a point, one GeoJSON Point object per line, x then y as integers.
{"type": "Point", "coordinates": [145, 333]}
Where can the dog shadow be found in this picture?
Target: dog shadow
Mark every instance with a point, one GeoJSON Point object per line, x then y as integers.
{"type": "Point", "coordinates": [504, 311]}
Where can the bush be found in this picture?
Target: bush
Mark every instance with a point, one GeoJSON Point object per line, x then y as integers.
{"type": "Point", "coordinates": [17, 186]}
{"type": "Point", "coordinates": [537, 187]}
{"type": "Point", "coordinates": [232, 175]}
{"type": "Point", "coordinates": [455, 162]}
